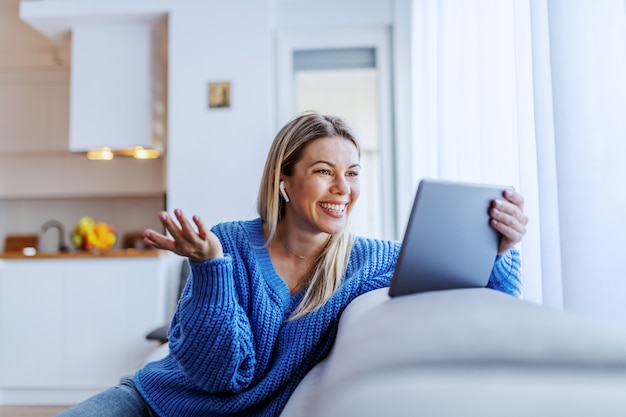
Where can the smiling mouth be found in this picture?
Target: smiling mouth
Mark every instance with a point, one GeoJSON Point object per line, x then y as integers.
{"type": "Point", "coordinates": [335, 208]}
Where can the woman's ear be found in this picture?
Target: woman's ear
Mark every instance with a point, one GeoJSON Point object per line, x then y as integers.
{"type": "Point", "coordinates": [281, 187]}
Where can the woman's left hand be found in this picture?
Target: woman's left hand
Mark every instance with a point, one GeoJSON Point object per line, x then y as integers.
{"type": "Point", "coordinates": [507, 217]}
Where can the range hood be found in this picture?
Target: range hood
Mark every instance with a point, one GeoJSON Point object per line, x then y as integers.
{"type": "Point", "coordinates": [118, 76]}
{"type": "Point", "coordinates": [116, 91]}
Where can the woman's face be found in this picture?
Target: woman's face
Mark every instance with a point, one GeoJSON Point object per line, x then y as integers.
{"type": "Point", "coordinates": [324, 186]}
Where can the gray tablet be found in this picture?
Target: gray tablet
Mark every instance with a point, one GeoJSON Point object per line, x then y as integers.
{"type": "Point", "coordinates": [448, 242]}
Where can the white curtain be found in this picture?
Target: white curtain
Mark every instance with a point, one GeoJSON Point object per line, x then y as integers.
{"type": "Point", "coordinates": [533, 93]}
{"type": "Point", "coordinates": [588, 73]}
{"type": "Point", "coordinates": [473, 96]}
{"type": "Point", "coordinates": [552, 281]}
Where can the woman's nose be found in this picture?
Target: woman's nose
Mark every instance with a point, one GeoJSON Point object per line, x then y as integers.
{"type": "Point", "coordinates": [341, 186]}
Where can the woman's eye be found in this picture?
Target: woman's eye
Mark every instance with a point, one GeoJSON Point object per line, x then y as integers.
{"type": "Point", "coordinates": [324, 171]}
{"type": "Point", "coordinates": [353, 174]}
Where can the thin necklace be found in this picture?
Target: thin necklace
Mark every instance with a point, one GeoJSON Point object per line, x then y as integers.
{"type": "Point", "coordinates": [300, 257]}
{"type": "Point", "coordinates": [288, 249]}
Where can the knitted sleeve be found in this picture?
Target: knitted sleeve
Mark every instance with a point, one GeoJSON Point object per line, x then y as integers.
{"type": "Point", "coordinates": [210, 336]}
{"type": "Point", "coordinates": [506, 273]}
{"type": "Point", "coordinates": [374, 261]}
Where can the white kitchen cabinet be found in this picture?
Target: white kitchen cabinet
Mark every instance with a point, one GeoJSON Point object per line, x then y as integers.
{"type": "Point", "coordinates": [74, 327]}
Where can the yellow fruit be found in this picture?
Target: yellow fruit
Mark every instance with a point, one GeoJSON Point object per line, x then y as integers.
{"type": "Point", "coordinates": [84, 225]}
{"type": "Point", "coordinates": [91, 235]}
{"type": "Point", "coordinates": [77, 240]}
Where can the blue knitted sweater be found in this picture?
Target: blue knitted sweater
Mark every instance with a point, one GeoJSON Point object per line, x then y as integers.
{"type": "Point", "coordinates": [232, 351]}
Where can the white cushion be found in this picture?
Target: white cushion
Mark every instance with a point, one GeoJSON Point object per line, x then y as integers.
{"type": "Point", "coordinates": [470, 350]}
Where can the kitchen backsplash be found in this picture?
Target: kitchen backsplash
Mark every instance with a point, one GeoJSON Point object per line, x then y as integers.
{"type": "Point", "coordinates": [125, 214]}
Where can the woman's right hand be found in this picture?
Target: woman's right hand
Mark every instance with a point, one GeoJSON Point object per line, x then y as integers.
{"type": "Point", "coordinates": [197, 245]}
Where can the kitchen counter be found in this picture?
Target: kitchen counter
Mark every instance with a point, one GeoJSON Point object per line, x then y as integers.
{"type": "Point", "coordinates": [116, 253]}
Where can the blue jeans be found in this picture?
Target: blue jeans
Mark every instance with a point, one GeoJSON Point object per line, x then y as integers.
{"type": "Point", "coordinates": [122, 400]}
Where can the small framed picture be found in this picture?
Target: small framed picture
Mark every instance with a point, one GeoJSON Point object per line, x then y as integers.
{"type": "Point", "coordinates": [219, 95]}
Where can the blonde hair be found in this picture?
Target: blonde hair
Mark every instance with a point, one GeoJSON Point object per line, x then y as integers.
{"type": "Point", "coordinates": [285, 152]}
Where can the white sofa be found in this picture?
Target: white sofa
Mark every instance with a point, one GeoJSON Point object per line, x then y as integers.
{"type": "Point", "coordinates": [472, 352]}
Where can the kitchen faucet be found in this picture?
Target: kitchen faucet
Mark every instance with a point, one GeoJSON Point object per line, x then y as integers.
{"type": "Point", "coordinates": [55, 224]}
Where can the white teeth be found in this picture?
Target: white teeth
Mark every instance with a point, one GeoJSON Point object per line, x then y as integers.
{"type": "Point", "coordinates": [337, 208]}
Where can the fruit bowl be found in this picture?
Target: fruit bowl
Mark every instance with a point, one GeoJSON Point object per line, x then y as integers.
{"type": "Point", "coordinates": [89, 235]}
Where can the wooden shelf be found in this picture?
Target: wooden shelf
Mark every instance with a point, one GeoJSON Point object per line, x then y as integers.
{"type": "Point", "coordinates": [118, 253]}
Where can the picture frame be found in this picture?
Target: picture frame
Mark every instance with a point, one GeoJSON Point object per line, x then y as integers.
{"type": "Point", "coordinates": [219, 95]}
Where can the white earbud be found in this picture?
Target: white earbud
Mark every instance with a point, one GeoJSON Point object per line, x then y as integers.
{"type": "Point", "coordinates": [281, 187]}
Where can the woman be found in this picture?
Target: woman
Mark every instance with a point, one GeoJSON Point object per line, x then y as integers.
{"type": "Point", "coordinates": [264, 297]}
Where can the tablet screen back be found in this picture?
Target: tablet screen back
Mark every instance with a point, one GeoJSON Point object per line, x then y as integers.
{"type": "Point", "coordinates": [448, 242]}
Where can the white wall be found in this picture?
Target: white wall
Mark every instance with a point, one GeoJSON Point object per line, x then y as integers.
{"type": "Point", "coordinates": [216, 156]}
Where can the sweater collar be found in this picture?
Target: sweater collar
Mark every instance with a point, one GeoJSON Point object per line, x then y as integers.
{"type": "Point", "coordinates": [255, 230]}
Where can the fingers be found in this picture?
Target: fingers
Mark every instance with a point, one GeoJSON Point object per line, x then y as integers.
{"type": "Point", "coordinates": [202, 230]}
{"type": "Point", "coordinates": [510, 236]}
{"type": "Point", "coordinates": [186, 230]}
{"type": "Point", "coordinates": [154, 239]}
{"type": "Point", "coordinates": [508, 218]}
{"type": "Point", "coordinates": [184, 236]}
{"type": "Point", "coordinates": [510, 211]}
{"type": "Point", "coordinates": [195, 242]}
{"type": "Point", "coordinates": [514, 197]}
{"type": "Point", "coordinates": [158, 240]}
